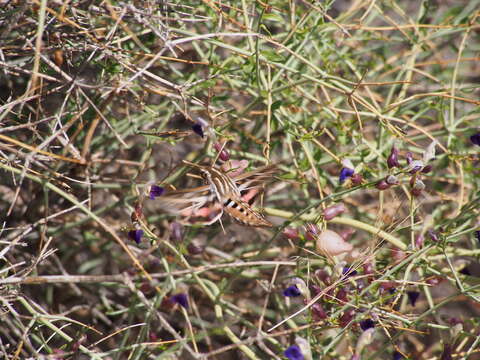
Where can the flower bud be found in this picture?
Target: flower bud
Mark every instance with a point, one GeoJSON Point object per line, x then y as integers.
{"type": "Point", "coordinates": [291, 233]}
{"type": "Point", "coordinates": [318, 313]}
{"type": "Point", "coordinates": [356, 179]}
{"type": "Point", "coordinates": [346, 318]}
{"type": "Point", "coordinates": [332, 211]}
{"type": "Point", "coordinates": [382, 185]}
{"type": "Point", "coordinates": [392, 160]}
{"type": "Point", "coordinates": [224, 154]}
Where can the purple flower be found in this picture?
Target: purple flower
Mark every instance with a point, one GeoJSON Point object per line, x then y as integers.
{"type": "Point", "coordinates": [198, 129]}
{"type": "Point", "coordinates": [367, 324]}
{"type": "Point", "coordinates": [294, 353]}
{"type": "Point", "coordinates": [447, 352]}
{"type": "Point", "coordinates": [345, 173]}
{"type": "Point", "coordinates": [392, 160]}
{"type": "Point", "coordinates": [475, 138]}
{"type": "Point", "coordinates": [180, 299]}
{"type": "Point", "coordinates": [156, 191]}
{"type": "Point", "coordinates": [397, 356]}
{"type": "Point", "coordinates": [413, 297]}
{"type": "Point", "coordinates": [477, 235]}
{"type": "Point", "coordinates": [465, 271]}
{"type": "Point", "coordinates": [348, 271]}
{"type": "Point", "coordinates": [292, 291]}
{"type": "Point", "coordinates": [136, 235]}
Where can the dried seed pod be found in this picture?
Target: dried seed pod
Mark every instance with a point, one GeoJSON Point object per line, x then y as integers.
{"type": "Point", "coordinates": [330, 243]}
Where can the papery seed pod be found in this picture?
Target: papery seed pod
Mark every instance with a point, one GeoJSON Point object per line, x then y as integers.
{"type": "Point", "coordinates": [347, 233]}
{"type": "Point", "coordinates": [330, 243]}
{"type": "Point", "coordinates": [235, 167]}
{"type": "Point", "coordinates": [382, 185]}
{"type": "Point", "coordinates": [392, 160]}
{"type": "Point", "coordinates": [224, 154]}
{"type": "Point", "coordinates": [429, 153]}
{"type": "Point", "coordinates": [332, 211]}
{"type": "Point", "coordinates": [391, 180]}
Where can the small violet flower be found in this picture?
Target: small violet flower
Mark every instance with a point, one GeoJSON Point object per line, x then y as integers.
{"type": "Point", "coordinates": [136, 235]}
{"type": "Point", "coordinates": [348, 271]}
{"type": "Point", "coordinates": [344, 174]}
{"type": "Point", "coordinates": [475, 139]}
{"type": "Point", "coordinates": [198, 129]}
{"type": "Point", "coordinates": [292, 291]}
{"type": "Point", "coordinates": [367, 324]}
{"type": "Point", "coordinates": [294, 353]}
{"type": "Point", "coordinates": [477, 235]}
{"type": "Point", "coordinates": [413, 297]}
{"type": "Point", "coordinates": [397, 356]}
{"type": "Point", "coordinates": [156, 191]}
{"type": "Point", "coordinates": [180, 299]}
